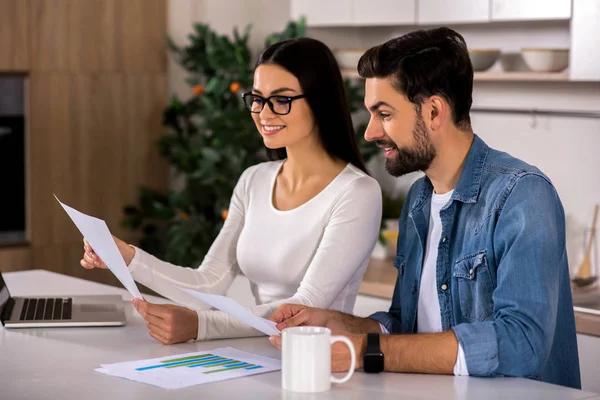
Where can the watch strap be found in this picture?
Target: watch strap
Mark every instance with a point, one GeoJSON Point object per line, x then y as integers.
{"type": "Point", "coordinates": [373, 343]}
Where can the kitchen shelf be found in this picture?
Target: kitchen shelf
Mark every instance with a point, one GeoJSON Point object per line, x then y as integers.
{"type": "Point", "coordinates": [499, 76]}
{"type": "Point", "coordinates": [522, 76]}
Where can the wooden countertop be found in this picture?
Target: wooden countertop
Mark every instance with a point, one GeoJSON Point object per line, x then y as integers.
{"type": "Point", "coordinates": [380, 278]}
{"type": "Point", "coordinates": [587, 323]}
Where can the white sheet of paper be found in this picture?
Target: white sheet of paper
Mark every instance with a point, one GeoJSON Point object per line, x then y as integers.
{"type": "Point", "coordinates": [96, 232]}
{"type": "Point", "coordinates": [184, 370]}
{"type": "Point", "coordinates": [236, 310]}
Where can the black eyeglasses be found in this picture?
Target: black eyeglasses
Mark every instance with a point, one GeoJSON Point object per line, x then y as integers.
{"type": "Point", "coordinates": [280, 105]}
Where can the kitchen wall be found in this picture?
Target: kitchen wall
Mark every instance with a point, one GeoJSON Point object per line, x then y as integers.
{"type": "Point", "coordinates": [96, 87]}
{"type": "Point", "coordinates": [264, 16]}
{"type": "Point", "coordinates": [565, 148]}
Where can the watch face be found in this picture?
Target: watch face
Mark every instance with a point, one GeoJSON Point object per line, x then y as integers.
{"type": "Point", "coordinates": [373, 362]}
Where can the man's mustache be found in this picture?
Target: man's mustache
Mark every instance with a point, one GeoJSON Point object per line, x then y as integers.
{"type": "Point", "coordinates": [384, 143]}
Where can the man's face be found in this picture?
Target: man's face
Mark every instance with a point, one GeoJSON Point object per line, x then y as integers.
{"type": "Point", "coordinates": [398, 128]}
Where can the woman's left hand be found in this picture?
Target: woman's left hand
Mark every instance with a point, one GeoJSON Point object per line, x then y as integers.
{"type": "Point", "coordinates": [168, 323]}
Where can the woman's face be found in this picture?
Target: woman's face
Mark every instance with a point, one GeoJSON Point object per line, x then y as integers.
{"type": "Point", "coordinates": [280, 130]}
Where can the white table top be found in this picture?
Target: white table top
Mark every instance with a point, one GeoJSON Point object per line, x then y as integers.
{"type": "Point", "coordinates": [58, 363]}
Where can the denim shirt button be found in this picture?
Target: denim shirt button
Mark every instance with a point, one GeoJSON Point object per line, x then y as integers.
{"type": "Point", "coordinates": [444, 287]}
{"type": "Point", "coordinates": [414, 288]}
{"type": "Point", "coordinates": [444, 239]}
{"type": "Point", "coordinates": [471, 271]}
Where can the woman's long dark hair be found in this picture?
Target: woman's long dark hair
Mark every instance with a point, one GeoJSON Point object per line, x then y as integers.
{"type": "Point", "coordinates": [315, 66]}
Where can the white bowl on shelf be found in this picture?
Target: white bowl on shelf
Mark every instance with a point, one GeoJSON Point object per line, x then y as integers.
{"type": "Point", "coordinates": [483, 59]}
{"type": "Point", "coordinates": [348, 58]}
{"type": "Point", "coordinates": [513, 62]}
{"type": "Point", "coordinates": [546, 60]}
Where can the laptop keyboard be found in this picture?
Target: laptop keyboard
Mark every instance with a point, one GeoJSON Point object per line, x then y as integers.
{"type": "Point", "coordinates": [46, 309]}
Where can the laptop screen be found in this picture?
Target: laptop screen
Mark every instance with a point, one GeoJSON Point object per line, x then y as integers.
{"type": "Point", "coordinates": [4, 295]}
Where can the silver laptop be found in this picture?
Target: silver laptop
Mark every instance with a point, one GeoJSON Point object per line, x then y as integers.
{"type": "Point", "coordinates": [41, 312]}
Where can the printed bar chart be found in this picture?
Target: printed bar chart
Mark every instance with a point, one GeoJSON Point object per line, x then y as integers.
{"type": "Point", "coordinates": [184, 370]}
{"type": "Point", "coordinates": [205, 361]}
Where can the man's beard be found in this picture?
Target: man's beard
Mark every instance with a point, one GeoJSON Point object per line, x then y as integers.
{"type": "Point", "coordinates": [410, 159]}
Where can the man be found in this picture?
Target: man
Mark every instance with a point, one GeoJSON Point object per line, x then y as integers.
{"type": "Point", "coordinates": [483, 283]}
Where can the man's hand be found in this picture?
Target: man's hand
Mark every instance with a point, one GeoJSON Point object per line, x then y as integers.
{"type": "Point", "coordinates": [340, 354]}
{"type": "Point", "coordinates": [288, 315]}
{"type": "Point", "coordinates": [168, 323]}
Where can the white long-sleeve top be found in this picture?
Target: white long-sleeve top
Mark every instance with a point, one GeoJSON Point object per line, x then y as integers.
{"type": "Point", "coordinates": [315, 254]}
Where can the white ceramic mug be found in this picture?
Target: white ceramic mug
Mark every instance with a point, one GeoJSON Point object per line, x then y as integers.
{"type": "Point", "coordinates": [306, 359]}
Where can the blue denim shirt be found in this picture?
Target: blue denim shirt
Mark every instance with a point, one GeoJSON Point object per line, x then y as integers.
{"type": "Point", "coordinates": [502, 271]}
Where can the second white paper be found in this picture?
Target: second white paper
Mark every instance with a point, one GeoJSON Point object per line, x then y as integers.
{"type": "Point", "coordinates": [233, 308]}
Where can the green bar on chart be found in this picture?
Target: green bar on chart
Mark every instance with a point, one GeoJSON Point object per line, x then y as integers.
{"type": "Point", "coordinates": [229, 369]}
{"type": "Point", "coordinates": [186, 358]}
{"type": "Point", "coordinates": [208, 364]}
{"type": "Point", "coordinates": [226, 362]}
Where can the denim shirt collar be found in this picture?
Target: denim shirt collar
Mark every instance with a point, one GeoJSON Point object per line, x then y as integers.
{"type": "Point", "coordinates": [469, 184]}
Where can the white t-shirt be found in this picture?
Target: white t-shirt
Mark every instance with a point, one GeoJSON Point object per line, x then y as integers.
{"type": "Point", "coordinates": [429, 318]}
{"type": "Point", "coordinates": [315, 254]}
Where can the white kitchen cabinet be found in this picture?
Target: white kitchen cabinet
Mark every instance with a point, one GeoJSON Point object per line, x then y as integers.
{"type": "Point", "coordinates": [354, 12]}
{"type": "Point", "coordinates": [456, 11]}
{"type": "Point", "coordinates": [383, 12]}
{"type": "Point", "coordinates": [589, 362]}
{"type": "Point", "coordinates": [322, 12]}
{"type": "Point", "coordinates": [584, 57]}
{"type": "Point", "coordinates": [530, 10]}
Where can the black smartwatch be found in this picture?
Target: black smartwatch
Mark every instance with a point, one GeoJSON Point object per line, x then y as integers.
{"type": "Point", "coordinates": [373, 359]}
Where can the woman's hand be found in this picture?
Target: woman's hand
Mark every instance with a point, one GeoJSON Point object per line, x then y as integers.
{"type": "Point", "coordinates": [91, 260]}
{"type": "Point", "coordinates": [168, 323]}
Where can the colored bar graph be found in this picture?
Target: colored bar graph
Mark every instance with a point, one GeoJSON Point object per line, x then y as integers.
{"type": "Point", "coordinates": [205, 361]}
{"type": "Point", "coordinates": [183, 370]}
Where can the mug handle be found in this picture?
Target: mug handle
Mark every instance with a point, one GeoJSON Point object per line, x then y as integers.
{"type": "Point", "coordinates": [352, 358]}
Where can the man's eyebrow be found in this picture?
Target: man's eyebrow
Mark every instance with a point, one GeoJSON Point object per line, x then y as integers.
{"type": "Point", "coordinates": [375, 106]}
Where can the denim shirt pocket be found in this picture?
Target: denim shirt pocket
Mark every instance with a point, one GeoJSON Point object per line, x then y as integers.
{"type": "Point", "coordinates": [475, 287]}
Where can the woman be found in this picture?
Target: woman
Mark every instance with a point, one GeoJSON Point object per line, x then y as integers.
{"type": "Point", "coordinates": [301, 228]}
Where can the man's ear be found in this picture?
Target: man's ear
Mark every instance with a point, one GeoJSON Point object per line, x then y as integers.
{"type": "Point", "coordinates": [437, 113]}
{"type": "Point", "coordinates": [434, 111]}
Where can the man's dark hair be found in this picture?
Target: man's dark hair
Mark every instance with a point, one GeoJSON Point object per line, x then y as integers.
{"type": "Point", "coordinates": [424, 63]}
